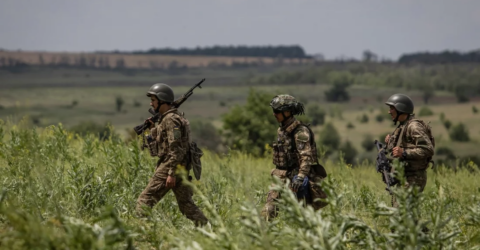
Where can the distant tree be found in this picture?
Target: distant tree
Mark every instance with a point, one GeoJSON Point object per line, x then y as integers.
{"type": "Point", "coordinates": [427, 93]}
{"type": "Point", "coordinates": [338, 92]}
{"type": "Point", "coordinates": [363, 118]}
{"type": "Point", "coordinates": [474, 109]}
{"type": "Point", "coordinates": [329, 137]}
{"type": "Point", "coordinates": [459, 133]}
{"type": "Point", "coordinates": [316, 114]}
{"type": "Point", "coordinates": [425, 111]}
{"type": "Point", "coordinates": [367, 143]}
{"type": "Point", "coordinates": [369, 56]}
{"type": "Point", "coordinates": [119, 103]}
{"type": "Point", "coordinates": [349, 152]}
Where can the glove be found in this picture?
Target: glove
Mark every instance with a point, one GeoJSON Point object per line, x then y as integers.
{"type": "Point", "coordinates": [297, 183]}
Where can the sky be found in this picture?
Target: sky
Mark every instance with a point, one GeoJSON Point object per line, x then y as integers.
{"type": "Point", "coordinates": [334, 28]}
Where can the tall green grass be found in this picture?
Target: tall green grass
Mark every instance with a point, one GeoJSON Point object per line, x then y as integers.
{"type": "Point", "coordinates": [61, 191]}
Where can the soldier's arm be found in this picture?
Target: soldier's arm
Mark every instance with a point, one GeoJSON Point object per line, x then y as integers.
{"type": "Point", "coordinates": [176, 153]}
{"type": "Point", "coordinates": [304, 149]}
{"type": "Point", "coordinates": [423, 146]}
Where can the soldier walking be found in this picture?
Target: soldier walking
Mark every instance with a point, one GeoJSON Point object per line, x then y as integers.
{"type": "Point", "coordinates": [294, 156]}
{"type": "Point", "coordinates": [411, 142]}
{"type": "Point", "coordinates": [170, 141]}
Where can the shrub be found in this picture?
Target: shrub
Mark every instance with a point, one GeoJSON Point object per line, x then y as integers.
{"type": "Point", "coordinates": [137, 103]}
{"type": "Point", "coordinates": [367, 143]}
{"type": "Point", "coordinates": [90, 127]}
{"type": "Point", "coordinates": [363, 118]}
{"type": "Point", "coordinates": [205, 135]}
{"type": "Point", "coordinates": [445, 151]}
{"type": "Point", "coordinates": [338, 91]}
{"type": "Point", "coordinates": [380, 117]}
{"type": "Point", "coordinates": [119, 103]}
{"type": "Point", "coordinates": [222, 103]}
{"type": "Point", "coordinates": [459, 133]}
{"type": "Point", "coordinates": [250, 126]}
{"type": "Point", "coordinates": [474, 109]}
{"type": "Point", "coordinates": [447, 124]}
{"type": "Point", "coordinates": [442, 117]}
{"type": "Point", "coordinates": [349, 152]}
{"type": "Point", "coordinates": [350, 125]}
{"type": "Point", "coordinates": [425, 111]}
{"type": "Point", "coordinates": [329, 137]}
{"type": "Point", "coordinates": [316, 114]}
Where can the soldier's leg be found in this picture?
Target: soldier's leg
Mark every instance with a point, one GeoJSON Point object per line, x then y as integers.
{"type": "Point", "coordinates": [270, 210]}
{"type": "Point", "coordinates": [183, 194]}
{"type": "Point", "coordinates": [317, 193]}
{"type": "Point", "coordinates": [419, 180]}
{"type": "Point", "coordinates": [153, 193]}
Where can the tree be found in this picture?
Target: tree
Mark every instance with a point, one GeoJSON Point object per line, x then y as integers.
{"type": "Point", "coordinates": [316, 114]}
{"type": "Point", "coordinates": [329, 137]}
{"type": "Point", "coordinates": [119, 102]}
{"type": "Point", "coordinates": [349, 152]}
{"type": "Point", "coordinates": [427, 93]}
{"type": "Point", "coordinates": [338, 91]}
{"type": "Point", "coordinates": [369, 56]}
{"type": "Point", "coordinates": [459, 133]}
{"type": "Point", "coordinates": [251, 126]}
{"type": "Point", "coordinates": [367, 143]}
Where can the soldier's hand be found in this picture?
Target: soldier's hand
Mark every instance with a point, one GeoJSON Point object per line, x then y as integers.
{"type": "Point", "coordinates": [150, 122]}
{"type": "Point", "coordinates": [297, 183]}
{"type": "Point", "coordinates": [387, 138]}
{"type": "Point", "coordinates": [397, 152]}
{"type": "Point", "coordinates": [170, 181]}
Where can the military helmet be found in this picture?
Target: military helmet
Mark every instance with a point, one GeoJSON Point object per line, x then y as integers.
{"type": "Point", "coordinates": [401, 102]}
{"type": "Point", "coordinates": [287, 103]}
{"type": "Point", "coordinates": [162, 91]}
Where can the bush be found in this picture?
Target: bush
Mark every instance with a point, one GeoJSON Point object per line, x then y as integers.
{"type": "Point", "coordinates": [363, 118]}
{"type": "Point", "coordinates": [316, 114]}
{"type": "Point", "coordinates": [442, 117]}
{"type": "Point", "coordinates": [119, 103]}
{"type": "Point", "coordinates": [447, 124]}
{"type": "Point", "coordinates": [474, 109]}
{"type": "Point", "coordinates": [205, 135]}
{"type": "Point", "coordinates": [349, 152]}
{"type": "Point", "coordinates": [425, 111]}
{"type": "Point", "coordinates": [329, 137]}
{"type": "Point", "coordinates": [380, 117]}
{"type": "Point", "coordinates": [459, 133]}
{"type": "Point", "coordinates": [251, 126]}
{"type": "Point", "coordinates": [350, 125]}
{"type": "Point", "coordinates": [367, 143]}
{"type": "Point", "coordinates": [136, 103]}
{"type": "Point", "coordinates": [89, 127]}
{"type": "Point", "coordinates": [446, 152]}
{"type": "Point", "coordinates": [338, 91]}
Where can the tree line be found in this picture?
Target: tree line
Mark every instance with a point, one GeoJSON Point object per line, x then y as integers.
{"type": "Point", "coordinates": [441, 57]}
{"type": "Point", "coordinates": [284, 51]}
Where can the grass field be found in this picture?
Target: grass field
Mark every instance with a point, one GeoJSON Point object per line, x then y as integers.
{"type": "Point", "coordinates": [63, 192]}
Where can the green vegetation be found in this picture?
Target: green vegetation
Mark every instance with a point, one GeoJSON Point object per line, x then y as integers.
{"type": "Point", "coordinates": [63, 192]}
{"type": "Point", "coordinates": [425, 111]}
{"type": "Point", "coordinates": [459, 133]}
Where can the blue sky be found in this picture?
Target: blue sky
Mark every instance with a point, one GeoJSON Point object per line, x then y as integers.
{"type": "Point", "coordinates": [331, 27]}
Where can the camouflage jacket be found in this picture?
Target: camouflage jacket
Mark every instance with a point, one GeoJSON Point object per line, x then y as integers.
{"type": "Point", "coordinates": [171, 140]}
{"type": "Point", "coordinates": [294, 148]}
{"type": "Point", "coordinates": [416, 141]}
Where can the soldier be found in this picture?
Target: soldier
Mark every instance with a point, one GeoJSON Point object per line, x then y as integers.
{"type": "Point", "coordinates": [411, 142]}
{"type": "Point", "coordinates": [294, 155]}
{"type": "Point", "coordinates": [170, 141]}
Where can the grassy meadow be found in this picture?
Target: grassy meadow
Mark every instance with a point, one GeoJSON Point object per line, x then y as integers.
{"type": "Point", "coordinates": [61, 191]}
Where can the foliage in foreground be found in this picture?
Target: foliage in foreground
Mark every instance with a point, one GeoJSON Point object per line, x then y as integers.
{"type": "Point", "coordinates": [60, 191]}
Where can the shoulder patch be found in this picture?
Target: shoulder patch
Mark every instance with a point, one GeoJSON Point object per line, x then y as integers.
{"type": "Point", "coordinates": [177, 134]}
{"type": "Point", "coordinates": [302, 135]}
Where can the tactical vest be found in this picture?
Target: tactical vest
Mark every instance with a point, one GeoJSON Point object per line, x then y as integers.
{"type": "Point", "coordinates": [285, 154]}
{"type": "Point", "coordinates": [411, 165]}
{"type": "Point", "coordinates": [160, 147]}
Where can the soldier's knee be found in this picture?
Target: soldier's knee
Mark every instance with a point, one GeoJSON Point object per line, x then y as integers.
{"type": "Point", "coordinates": [269, 211]}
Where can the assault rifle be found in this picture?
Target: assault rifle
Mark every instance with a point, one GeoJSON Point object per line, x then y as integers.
{"type": "Point", "coordinates": [384, 167]}
{"type": "Point", "coordinates": [157, 116]}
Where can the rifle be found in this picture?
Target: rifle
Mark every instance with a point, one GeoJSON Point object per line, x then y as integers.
{"type": "Point", "coordinates": [384, 167]}
{"type": "Point", "coordinates": [157, 116]}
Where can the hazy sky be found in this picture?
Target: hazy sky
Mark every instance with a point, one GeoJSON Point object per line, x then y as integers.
{"type": "Point", "coordinates": [331, 27]}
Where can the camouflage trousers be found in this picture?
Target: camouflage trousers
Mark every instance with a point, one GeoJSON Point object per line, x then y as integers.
{"type": "Point", "coordinates": [270, 210]}
{"type": "Point", "coordinates": [416, 179]}
{"type": "Point", "coordinates": [156, 189]}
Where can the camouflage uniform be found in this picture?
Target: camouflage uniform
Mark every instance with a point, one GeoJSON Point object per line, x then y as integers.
{"type": "Point", "coordinates": [171, 142]}
{"type": "Point", "coordinates": [294, 153]}
{"type": "Point", "coordinates": [418, 146]}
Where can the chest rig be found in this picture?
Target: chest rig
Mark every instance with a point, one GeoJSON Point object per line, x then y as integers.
{"type": "Point", "coordinates": [286, 154]}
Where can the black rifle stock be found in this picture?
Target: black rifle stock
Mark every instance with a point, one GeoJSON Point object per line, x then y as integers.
{"type": "Point", "coordinates": [383, 166]}
{"type": "Point", "coordinates": [156, 116]}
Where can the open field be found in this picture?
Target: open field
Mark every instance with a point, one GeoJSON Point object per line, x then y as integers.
{"type": "Point", "coordinates": [62, 192]}
{"type": "Point", "coordinates": [54, 105]}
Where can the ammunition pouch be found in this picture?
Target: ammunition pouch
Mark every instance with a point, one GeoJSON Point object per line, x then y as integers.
{"type": "Point", "coordinates": [284, 157]}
